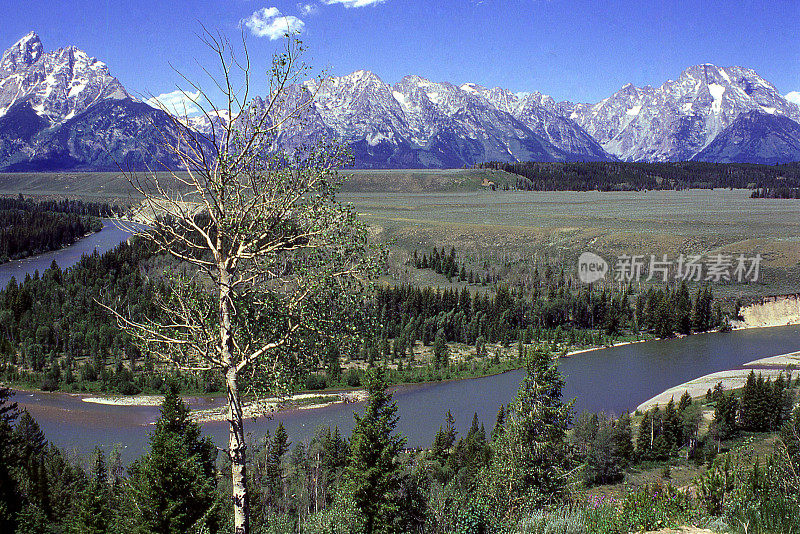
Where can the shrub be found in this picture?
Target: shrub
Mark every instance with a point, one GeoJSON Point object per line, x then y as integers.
{"type": "Point", "coordinates": [352, 378]}
{"type": "Point", "coordinates": [603, 515]}
{"type": "Point", "coordinates": [656, 506]}
{"type": "Point", "coordinates": [568, 520]}
{"type": "Point", "coordinates": [766, 499]}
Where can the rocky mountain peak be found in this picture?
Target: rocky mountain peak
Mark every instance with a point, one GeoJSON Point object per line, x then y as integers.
{"type": "Point", "coordinates": [681, 117]}
{"type": "Point", "coordinates": [58, 84]}
{"type": "Point", "coordinates": [21, 55]}
{"type": "Point", "coordinates": [68, 111]}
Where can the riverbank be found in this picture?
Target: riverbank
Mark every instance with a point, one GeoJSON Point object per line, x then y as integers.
{"type": "Point", "coordinates": [251, 409]}
{"type": "Point", "coordinates": [769, 367]}
{"type": "Point", "coordinates": [269, 406]}
{"type": "Point", "coordinates": [779, 310]}
{"type": "Point", "coordinates": [4, 260]}
{"type": "Point", "coordinates": [620, 344]}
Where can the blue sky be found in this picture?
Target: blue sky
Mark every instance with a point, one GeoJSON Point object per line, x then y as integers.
{"type": "Point", "coordinates": [575, 50]}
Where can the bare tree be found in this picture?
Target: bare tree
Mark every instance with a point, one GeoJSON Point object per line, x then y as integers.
{"type": "Point", "coordinates": [269, 265]}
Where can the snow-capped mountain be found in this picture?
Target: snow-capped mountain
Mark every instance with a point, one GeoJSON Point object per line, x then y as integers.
{"type": "Point", "coordinates": [59, 84]}
{"type": "Point", "coordinates": [420, 123]}
{"type": "Point", "coordinates": [678, 120]}
{"type": "Point", "coordinates": [64, 110]}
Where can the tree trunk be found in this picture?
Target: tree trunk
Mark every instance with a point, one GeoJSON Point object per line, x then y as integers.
{"type": "Point", "coordinates": [237, 453]}
{"type": "Point", "coordinates": [236, 443]}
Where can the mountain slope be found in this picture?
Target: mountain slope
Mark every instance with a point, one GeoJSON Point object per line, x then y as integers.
{"type": "Point", "coordinates": [755, 137]}
{"type": "Point", "coordinates": [63, 110]}
{"type": "Point", "coordinates": [421, 123]}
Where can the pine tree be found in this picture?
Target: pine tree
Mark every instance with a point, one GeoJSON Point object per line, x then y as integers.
{"type": "Point", "coordinates": [274, 466]}
{"type": "Point", "coordinates": [372, 472]}
{"type": "Point", "coordinates": [10, 498]}
{"type": "Point", "coordinates": [724, 424]}
{"type": "Point", "coordinates": [623, 439]}
{"type": "Point", "coordinates": [701, 315]}
{"type": "Point", "coordinates": [671, 428]}
{"type": "Point", "coordinates": [790, 436]}
{"type": "Point", "coordinates": [441, 353]}
{"type": "Point", "coordinates": [782, 402]}
{"type": "Point", "coordinates": [31, 446]}
{"type": "Point", "coordinates": [686, 400]}
{"type": "Point", "coordinates": [683, 310]}
{"type": "Point", "coordinates": [749, 416]}
{"type": "Point", "coordinates": [93, 513]}
{"type": "Point", "coordinates": [531, 459]}
{"type": "Point", "coordinates": [332, 363]}
{"type": "Point", "coordinates": [603, 461]}
{"type": "Point", "coordinates": [499, 423]}
{"type": "Point", "coordinates": [644, 437]}
{"type": "Point", "coordinates": [172, 487]}
{"type": "Point", "coordinates": [445, 438]}
{"type": "Point", "coordinates": [469, 455]}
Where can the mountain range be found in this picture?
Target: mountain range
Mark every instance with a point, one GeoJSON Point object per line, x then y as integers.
{"type": "Point", "coordinates": [63, 110]}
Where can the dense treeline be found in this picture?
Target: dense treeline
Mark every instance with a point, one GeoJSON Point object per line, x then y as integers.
{"type": "Point", "coordinates": [29, 227]}
{"type": "Point", "coordinates": [448, 264]}
{"type": "Point", "coordinates": [776, 192]}
{"type": "Point", "coordinates": [526, 474]}
{"type": "Point", "coordinates": [580, 316]}
{"type": "Point", "coordinates": [56, 336]}
{"type": "Point", "coordinates": [762, 406]}
{"type": "Point", "coordinates": [607, 176]}
{"type": "Point", "coordinates": [75, 207]}
{"type": "Point", "coordinates": [54, 333]}
{"type": "Point", "coordinates": [171, 489]}
{"type": "Point", "coordinates": [26, 233]}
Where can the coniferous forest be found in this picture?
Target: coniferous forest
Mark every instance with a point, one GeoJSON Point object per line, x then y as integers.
{"type": "Point", "coordinates": [57, 336]}
{"type": "Point", "coordinates": [766, 180]}
{"type": "Point", "coordinates": [162, 386]}
{"type": "Point", "coordinates": [539, 467]}
{"type": "Point", "coordinates": [28, 228]}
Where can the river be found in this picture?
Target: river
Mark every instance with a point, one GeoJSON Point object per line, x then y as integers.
{"type": "Point", "coordinates": [106, 239]}
{"type": "Point", "coordinates": [612, 379]}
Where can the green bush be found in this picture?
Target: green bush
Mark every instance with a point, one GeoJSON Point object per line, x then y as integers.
{"type": "Point", "coordinates": [656, 506]}
{"type": "Point", "coordinates": [603, 516]}
{"type": "Point", "coordinates": [567, 520]}
{"type": "Point", "coordinates": [766, 499]}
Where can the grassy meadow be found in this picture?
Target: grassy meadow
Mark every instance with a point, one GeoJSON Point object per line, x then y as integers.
{"type": "Point", "coordinates": [509, 231]}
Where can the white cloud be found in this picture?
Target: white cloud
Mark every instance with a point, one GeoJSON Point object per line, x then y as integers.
{"type": "Point", "coordinates": [794, 96]}
{"type": "Point", "coordinates": [355, 3]}
{"type": "Point", "coordinates": [269, 22]}
{"type": "Point", "coordinates": [308, 9]}
{"type": "Point", "coordinates": [178, 103]}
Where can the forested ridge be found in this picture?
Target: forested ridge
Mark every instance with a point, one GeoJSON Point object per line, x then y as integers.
{"type": "Point", "coordinates": [55, 334]}
{"type": "Point", "coordinates": [608, 176]}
